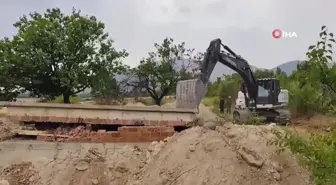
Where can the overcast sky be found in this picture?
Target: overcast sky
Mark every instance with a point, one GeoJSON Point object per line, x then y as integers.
{"type": "Point", "coordinates": [243, 25]}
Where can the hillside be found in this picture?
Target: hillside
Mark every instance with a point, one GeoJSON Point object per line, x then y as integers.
{"type": "Point", "coordinates": [288, 67]}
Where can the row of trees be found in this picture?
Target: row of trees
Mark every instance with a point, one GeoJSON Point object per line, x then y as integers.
{"type": "Point", "coordinates": [54, 54]}
{"type": "Point", "coordinates": [312, 86]}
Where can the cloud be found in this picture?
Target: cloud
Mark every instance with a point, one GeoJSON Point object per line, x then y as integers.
{"type": "Point", "coordinates": [244, 25]}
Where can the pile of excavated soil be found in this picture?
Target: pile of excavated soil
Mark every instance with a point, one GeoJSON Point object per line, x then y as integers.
{"type": "Point", "coordinates": [228, 155]}
{"type": "Point", "coordinates": [93, 167]}
{"type": "Point", "coordinates": [231, 155]}
{"type": "Point", "coordinates": [96, 168]}
{"type": "Point", "coordinates": [19, 174]}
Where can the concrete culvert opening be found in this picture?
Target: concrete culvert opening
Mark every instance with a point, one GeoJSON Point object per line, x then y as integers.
{"type": "Point", "coordinates": [97, 127]}
{"type": "Point", "coordinates": [54, 125]}
{"type": "Point", "coordinates": [180, 128]}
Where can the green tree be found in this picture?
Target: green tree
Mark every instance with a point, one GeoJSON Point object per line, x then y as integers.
{"type": "Point", "coordinates": [56, 54]}
{"type": "Point", "coordinates": [230, 86]}
{"type": "Point", "coordinates": [319, 56]}
{"type": "Point", "coordinates": [312, 86]}
{"type": "Point", "coordinates": [106, 86]}
{"type": "Point", "coordinates": [159, 72]}
{"type": "Point", "coordinates": [264, 73]}
{"type": "Point", "coordinates": [278, 71]}
{"type": "Point", "coordinates": [8, 88]}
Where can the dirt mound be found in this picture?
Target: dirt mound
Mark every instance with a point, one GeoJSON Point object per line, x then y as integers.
{"type": "Point", "coordinates": [94, 167]}
{"type": "Point", "coordinates": [206, 114]}
{"type": "Point", "coordinates": [231, 155]}
{"type": "Point", "coordinates": [22, 173]}
{"type": "Point", "coordinates": [90, 169]}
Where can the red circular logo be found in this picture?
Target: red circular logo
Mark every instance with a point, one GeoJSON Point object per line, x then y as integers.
{"type": "Point", "coordinates": [277, 33]}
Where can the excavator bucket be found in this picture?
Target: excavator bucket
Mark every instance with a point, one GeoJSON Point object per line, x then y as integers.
{"type": "Point", "coordinates": [189, 93]}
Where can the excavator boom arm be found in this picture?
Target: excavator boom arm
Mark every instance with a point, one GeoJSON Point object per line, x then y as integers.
{"type": "Point", "coordinates": [189, 93]}
{"type": "Point", "coordinates": [233, 61]}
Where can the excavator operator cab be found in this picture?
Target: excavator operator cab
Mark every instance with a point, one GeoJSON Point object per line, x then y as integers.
{"type": "Point", "coordinates": [268, 91]}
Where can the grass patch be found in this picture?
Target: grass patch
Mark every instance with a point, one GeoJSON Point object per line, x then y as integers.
{"type": "Point", "coordinates": [73, 100]}
{"type": "Point", "coordinates": [148, 101]}
{"type": "Point", "coordinates": [145, 101]}
{"type": "Point", "coordinates": [168, 99]}
{"type": "Point", "coordinates": [211, 101]}
{"type": "Point", "coordinates": [100, 101]}
{"type": "Point", "coordinates": [253, 120]}
{"type": "Point", "coordinates": [218, 113]}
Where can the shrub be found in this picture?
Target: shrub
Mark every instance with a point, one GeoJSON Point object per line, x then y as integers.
{"type": "Point", "coordinates": [318, 153]}
{"type": "Point", "coordinates": [211, 101]}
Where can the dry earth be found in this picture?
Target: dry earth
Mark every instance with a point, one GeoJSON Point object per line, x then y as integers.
{"type": "Point", "coordinates": [228, 154]}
